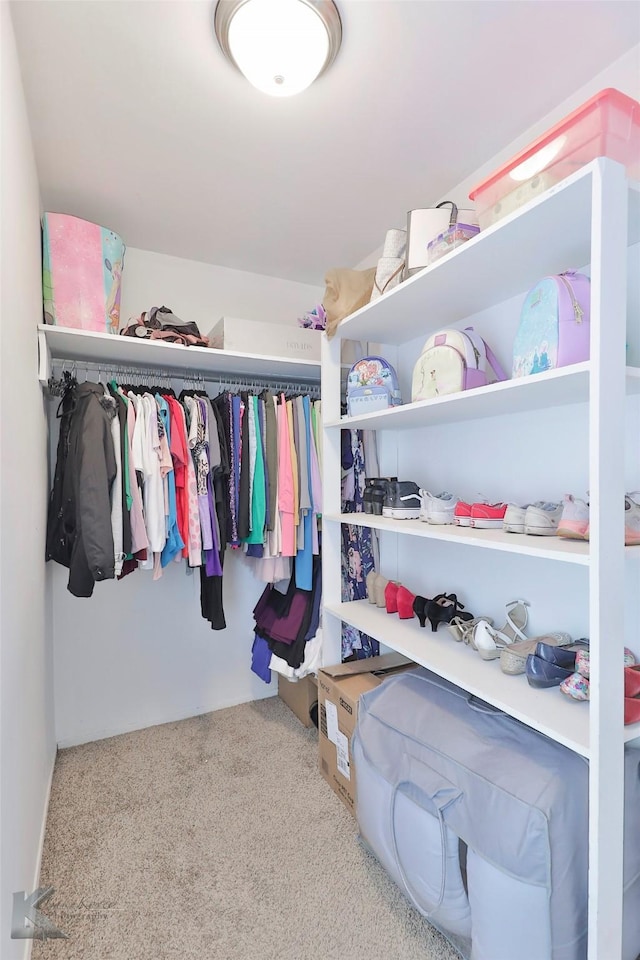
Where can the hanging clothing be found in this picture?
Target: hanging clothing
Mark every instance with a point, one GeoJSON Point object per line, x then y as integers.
{"type": "Point", "coordinates": [116, 490]}
{"type": "Point", "coordinates": [179, 454]}
{"type": "Point", "coordinates": [304, 558]}
{"type": "Point", "coordinates": [81, 536]}
{"type": "Point", "coordinates": [139, 539]}
{"type": "Point", "coordinates": [357, 550]}
{"type": "Point", "coordinates": [286, 495]}
{"type": "Point", "coordinates": [161, 480]}
{"type": "Point", "coordinates": [174, 544]}
{"type": "Point", "coordinates": [257, 487]}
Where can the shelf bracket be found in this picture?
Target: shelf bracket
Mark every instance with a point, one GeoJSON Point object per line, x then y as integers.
{"type": "Point", "coordinates": [44, 359]}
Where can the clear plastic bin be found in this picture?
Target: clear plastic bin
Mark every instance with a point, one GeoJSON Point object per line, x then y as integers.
{"type": "Point", "coordinates": [447, 241]}
{"type": "Point", "coordinates": [607, 125]}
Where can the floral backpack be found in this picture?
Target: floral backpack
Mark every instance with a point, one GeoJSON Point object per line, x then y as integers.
{"type": "Point", "coordinates": [372, 384]}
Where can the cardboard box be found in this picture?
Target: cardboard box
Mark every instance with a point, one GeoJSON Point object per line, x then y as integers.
{"type": "Point", "coordinates": [299, 696]}
{"type": "Point", "coordinates": [339, 690]}
{"type": "Point", "coordinates": [268, 339]}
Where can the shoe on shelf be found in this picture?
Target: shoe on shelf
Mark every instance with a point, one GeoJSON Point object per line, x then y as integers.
{"type": "Point", "coordinates": [442, 609]}
{"type": "Point", "coordinates": [374, 493]}
{"type": "Point", "coordinates": [542, 519]}
{"type": "Point", "coordinates": [632, 681]}
{"type": "Point", "coordinates": [437, 509]}
{"type": "Point", "coordinates": [583, 665]}
{"type": "Point", "coordinates": [371, 585]}
{"type": "Point", "coordinates": [489, 642]}
{"type": "Point", "coordinates": [405, 603]}
{"type": "Point", "coordinates": [487, 516]}
{"type": "Point", "coordinates": [574, 520]}
{"type": "Point", "coordinates": [419, 609]}
{"type": "Point", "coordinates": [462, 630]}
{"type": "Point", "coordinates": [391, 596]}
{"type": "Point", "coordinates": [564, 657]}
{"type": "Point", "coordinates": [632, 519]}
{"type": "Point", "coordinates": [513, 658]}
{"type": "Point", "coordinates": [576, 686]}
{"type": "Point", "coordinates": [381, 585]}
{"type": "Point", "coordinates": [402, 500]}
{"type": "Point", "coordinates": [541, 674]}
{"type": "Point", "coordinates": [631, 710]}
{"type": "Point", "coordinates": [462, 514]}
{"type": "Point", "coordinates": [514, 517]}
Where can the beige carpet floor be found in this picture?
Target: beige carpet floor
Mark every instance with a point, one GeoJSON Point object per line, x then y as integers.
{"type": "Point", "coordinates": [216, 838]}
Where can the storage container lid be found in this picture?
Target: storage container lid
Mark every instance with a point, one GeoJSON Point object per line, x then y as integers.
{"type": "Point", "coordinates": [608, 97]}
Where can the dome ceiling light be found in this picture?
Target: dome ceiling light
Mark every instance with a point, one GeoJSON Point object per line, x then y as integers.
{"type": "Point", "coordinates": [281, 46]}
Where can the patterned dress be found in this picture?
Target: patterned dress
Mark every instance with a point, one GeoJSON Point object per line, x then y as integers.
{"type": "Point", "coordinates": [357, 553]}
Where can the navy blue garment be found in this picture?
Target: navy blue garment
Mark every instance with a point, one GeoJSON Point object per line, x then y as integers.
{"type": "Point", "coordinates": [261, 658]}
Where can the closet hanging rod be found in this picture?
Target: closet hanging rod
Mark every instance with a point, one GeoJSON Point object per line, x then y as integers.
{"type": "Point", "coordinates": [153, 375]}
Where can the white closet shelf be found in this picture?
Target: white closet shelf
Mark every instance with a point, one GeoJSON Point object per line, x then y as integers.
{"type": "Point", "coordinates": [553, 388]}
{"type": "Point", "coordinates": [466, 281]}
{"type": "Point", "coordinates": [548, 711]}
{"type": "Point", "coordinates": [64, 343]}
{"type": "Point", "coordinates": [545, 548]}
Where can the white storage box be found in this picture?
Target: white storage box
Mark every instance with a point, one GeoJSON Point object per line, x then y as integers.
{"type": "Point", "coordinates": [267, 339]}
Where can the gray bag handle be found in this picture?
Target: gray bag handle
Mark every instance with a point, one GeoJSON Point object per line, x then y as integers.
{"type": "Point", "coordinates": [453, 219]}
{"type": "Point", "coordinates": [434, 793]}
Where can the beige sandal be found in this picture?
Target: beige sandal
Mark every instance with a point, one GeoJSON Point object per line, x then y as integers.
{"type": "Point", "coordinates": [462, 630]}
{"type": "Point", "coordinates": [513, 659]}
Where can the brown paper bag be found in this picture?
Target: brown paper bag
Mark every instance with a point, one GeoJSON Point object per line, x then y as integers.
{"type": "Point", "coordinates": [346, 292]}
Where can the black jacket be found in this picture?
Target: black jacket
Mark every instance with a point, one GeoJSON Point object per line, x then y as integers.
{"type": "Point", "coordinates": [79, 526]}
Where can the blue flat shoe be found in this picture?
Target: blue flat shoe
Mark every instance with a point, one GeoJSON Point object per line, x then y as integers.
{"type": "Point", "coordinates": [542, 674]}
{"type": "Point", "coordinates": [561, 656]}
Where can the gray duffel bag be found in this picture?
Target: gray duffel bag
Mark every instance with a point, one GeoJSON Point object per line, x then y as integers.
{"type": "Point", "coordinates": [482, 821]}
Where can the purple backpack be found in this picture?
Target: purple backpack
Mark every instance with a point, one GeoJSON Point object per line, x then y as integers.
{"type": "Point", "coordinates": [554, 326]}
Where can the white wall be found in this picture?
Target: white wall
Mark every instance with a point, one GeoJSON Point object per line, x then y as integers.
{"type": "Point", "coordinates": [27, 742]}
{"type": "Point", "coordinates": [624, 74]}
{"type": "Point", "coordinates": [139, 653]}
{"type": "Point", "coordinates": [204, 293]}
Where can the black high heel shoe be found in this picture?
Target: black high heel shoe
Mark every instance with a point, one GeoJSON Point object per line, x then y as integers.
{"type": "Point", "coordinates": [420, 609]}
{"type": "Point", "coordinates": [443, 608]}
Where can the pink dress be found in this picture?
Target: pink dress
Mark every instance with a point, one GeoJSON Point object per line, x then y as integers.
{"type": "Point", "coordinates": [286, 497]}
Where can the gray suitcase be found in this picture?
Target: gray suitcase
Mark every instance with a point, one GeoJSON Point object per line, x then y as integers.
{"type": "Point", "coordinates": [435, 767]}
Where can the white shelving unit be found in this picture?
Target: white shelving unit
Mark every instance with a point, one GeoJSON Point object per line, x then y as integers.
{"type": "Point", "coordinates": [590, 218]}
{"type": "Point", "coordinates": [63, 343]}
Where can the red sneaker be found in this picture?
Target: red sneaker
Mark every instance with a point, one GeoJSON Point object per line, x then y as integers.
{"type": "Point", "coordinates": [462, 514]}
{"type": "Point", "coordinates": [487, 516]}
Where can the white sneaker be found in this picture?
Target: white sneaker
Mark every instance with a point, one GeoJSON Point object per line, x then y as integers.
{"type": "Point", "coordinates": [514, 518]}
{"type": "Point", "coordinates": [632, 519]}
{"type": "Point", "coordinates": [437, 509]}
{"type": "Point", "coordinates": [542, 519]}
{"type": "Point", "coordinates": [574, 522]}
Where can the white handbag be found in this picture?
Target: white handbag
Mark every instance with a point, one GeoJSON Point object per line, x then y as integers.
{"type": "Point", "coordinates": [423, 226]}
{"type": "Point", "coordinates": [389, 272]}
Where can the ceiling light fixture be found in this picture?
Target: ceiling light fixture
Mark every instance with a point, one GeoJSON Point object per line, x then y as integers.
{"type": "Point", "coordinates": [281, 46]}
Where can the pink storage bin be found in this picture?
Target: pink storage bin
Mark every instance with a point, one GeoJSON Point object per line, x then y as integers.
{"type": "Point", "coordinates": [607, 125]}
{"type": "Point", "coordinates": [82, 267]}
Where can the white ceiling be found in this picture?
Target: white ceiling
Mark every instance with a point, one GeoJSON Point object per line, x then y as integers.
{"type": "Point", "coordinates": [141, 125]}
